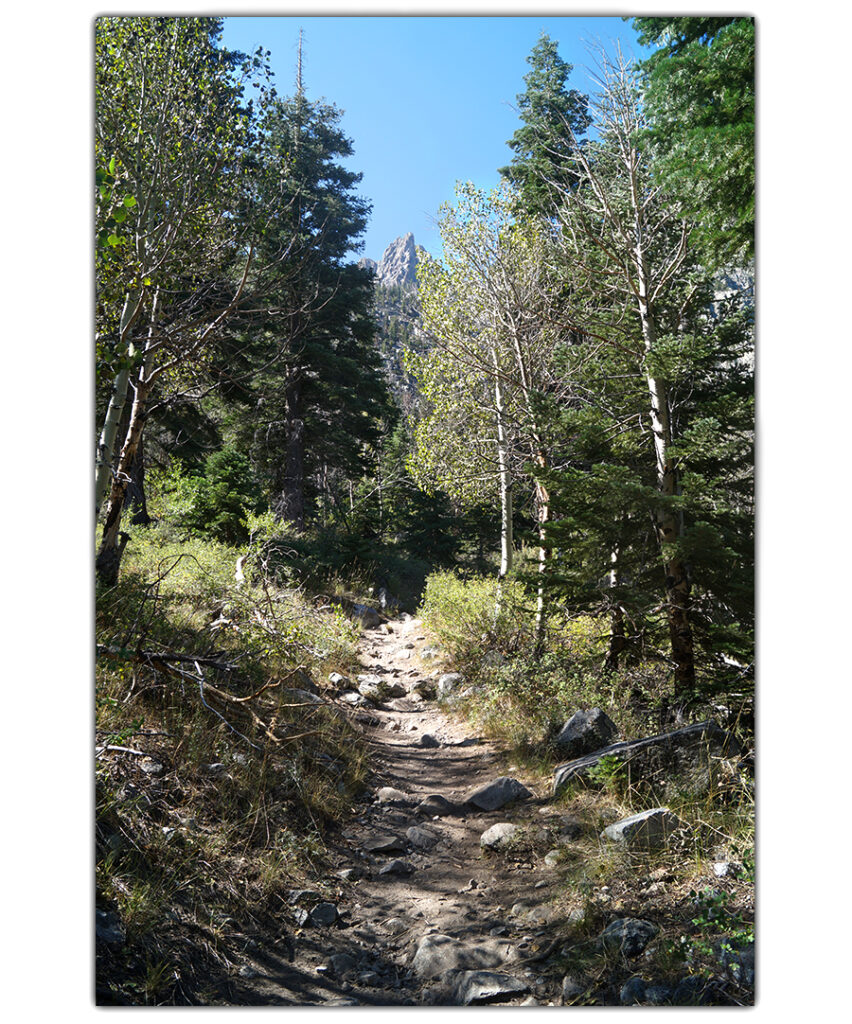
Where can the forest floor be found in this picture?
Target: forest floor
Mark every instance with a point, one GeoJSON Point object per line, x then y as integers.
{"type": "Point", "coordinates": [455, 889]}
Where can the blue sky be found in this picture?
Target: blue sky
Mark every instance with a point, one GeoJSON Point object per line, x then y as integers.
{"type": "Point", "coordinates": [427, 101]}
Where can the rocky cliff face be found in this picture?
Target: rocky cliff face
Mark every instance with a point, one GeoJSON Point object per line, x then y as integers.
{"type": "Point", "coordinates": [399, 264]}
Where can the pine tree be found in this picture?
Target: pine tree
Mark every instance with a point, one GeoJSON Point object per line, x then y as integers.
{"type": "Point", "coordinates": [555, 118]}
{"type": "Point", "coordinates": [699, 93]}
{"type": "Point", "coordinates": [312, 395]}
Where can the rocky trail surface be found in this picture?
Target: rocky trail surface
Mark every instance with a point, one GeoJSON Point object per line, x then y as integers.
{"type": "Point", "coordinates": [415, 912]}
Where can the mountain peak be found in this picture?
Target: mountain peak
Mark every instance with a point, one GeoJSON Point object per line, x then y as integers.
{"type": "Point", "coordinates": [398, 265]}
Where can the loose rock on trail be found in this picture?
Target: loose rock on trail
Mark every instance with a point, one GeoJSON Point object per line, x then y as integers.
{"type": "Point", "coordinates": [423, 915]}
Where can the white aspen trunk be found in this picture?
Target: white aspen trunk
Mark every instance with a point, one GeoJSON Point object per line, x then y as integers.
{"type": "Point", "coordinates": [506, 511]}
{"type": "Point", "coordinates": [617, 639]}
{"type": "Point", "coordinates": [107, 442]}
{"type": "Point", "coordinates": [112, 546]}
{"type": "Point", "coordinates": [543, 503]}
{"type": "Point", "coordinates": [668, 526]}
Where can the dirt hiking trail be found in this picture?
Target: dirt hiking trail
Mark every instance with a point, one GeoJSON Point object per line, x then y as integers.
{"type": "Point", "coordinates": [414, 912]}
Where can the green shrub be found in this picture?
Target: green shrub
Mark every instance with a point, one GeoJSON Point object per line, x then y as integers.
{"type": "Point", "coordinates": [223, 498]}
{"type": "Point", "coordinates": [464, 616]}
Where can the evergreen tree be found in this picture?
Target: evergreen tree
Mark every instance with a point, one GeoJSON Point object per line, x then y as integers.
{"type": "Point", "coordinates": [554, 119]}
{"type": "Point", "coordinates": [699, 92]}
{"type": "Point", "coordinates": [311, 394]}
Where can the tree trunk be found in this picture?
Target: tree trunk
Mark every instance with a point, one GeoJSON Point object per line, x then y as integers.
{"type": "Point", "coordinates": [676, 577]}
{"type": "Point", "coordinates": [135, 498]}
{"type": "Point", "coordinates": [106, 452]}
{"type": "Point", "coordinates": [290, 507]}
{"type": "Point", "coordinates": [506, 510]}
{"type": "Point", "coordinates": [617, 639]}
{"type": "Point", "coordinates": [542, 498]}
{"type": "Point", "coordinates": [113, 541]}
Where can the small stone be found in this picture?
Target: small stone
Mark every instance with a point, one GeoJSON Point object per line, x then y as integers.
{"type": "Point", "coordinates": [647, 830]}
{"type": "Point", "coordinates": [690, 991]}
{"type": "Point", "coordinates": [368, 978]}
{"type": "Point", "coordinates": [155, 768]}
{"type": "Point", "coordinates": [247, 972]}
{"type": "Point", "coordinates": [498, 836]}
{"type": "Point", "coordinates": [396, 926]}
{"type": "Point", "coordinates": [299, 896]}
{"type": "Point", "coordinates": [629, 935]}
{"type": "Point", "coordinates": [350, 874]}
{"type": "Point", "coordinates": [486, 986]}
{"type": "Point", "coordinates": [658, 995]}
{"type": "Point", "coordinates": [354, 698]}
{"type": "Point", "coordinates": [435, 804]}
{"type": "Point", "coordinates": [384, 844]}
{"type": "Point", "coordinates": [448, 683]}
{"type": "Point", "coordinates": [421, 838]}
{"type": "Point", "coordinates": [552, 858]}
{"type": "Point", "coordinates": [571, 988]}
{"type": "Point", "coordinates": [428, 740]}
{"type": "Point", "coordinates": [727, 869]}
{"type": "Point", "coordinates": [496, 794]}
{"type": "Point", "coordinates": [368, 617]}
{"type": "Point", "coordinates": [336, 679]}
{"type": "Point", "coordinates": [394, 797]}
{"type": "Point", "coordinates": [585, 732]}
{"type": "Point", "coordinates": [397, 867]}
{"type": "Point", "coordinates": [323, 915]}
{"type": "Point", "coordinates": [108, 928]}
{"type": "Point", "coordinates": [341, 963]}
{"type": "Point", "coordinates": [632, 992]}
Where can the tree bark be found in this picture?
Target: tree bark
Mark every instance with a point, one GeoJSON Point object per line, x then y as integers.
{"type": "Point", "coordinates": [290, 507]}
{"type": "Point", "coordinates": [542, 497]}
{"type": "Point", "coordinates": [506, 511]}
{"type": "Point", "coordinates": [135, 499]}
{"type": "Point", "coordinates": [113, 541]}
{"type": "Point", "coordinates": [677, 581]}
{"type": "Point", "coordinates": [617, 639]}
{"type": "Point", "coordinates": [106, 452]}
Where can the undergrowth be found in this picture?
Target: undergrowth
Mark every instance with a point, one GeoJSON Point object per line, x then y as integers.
{"type": "Point", "coordinates": [217, 775]}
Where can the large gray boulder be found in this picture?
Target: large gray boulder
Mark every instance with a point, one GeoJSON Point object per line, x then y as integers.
{"type": "Point", "coordinates": [648, 830]}
{"type": "Point", "coordinates": [496, 794]}
{"type": "Point", "coordinates": [688, 760]}
{"type": "Point", "coordinates": [585, 732]}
